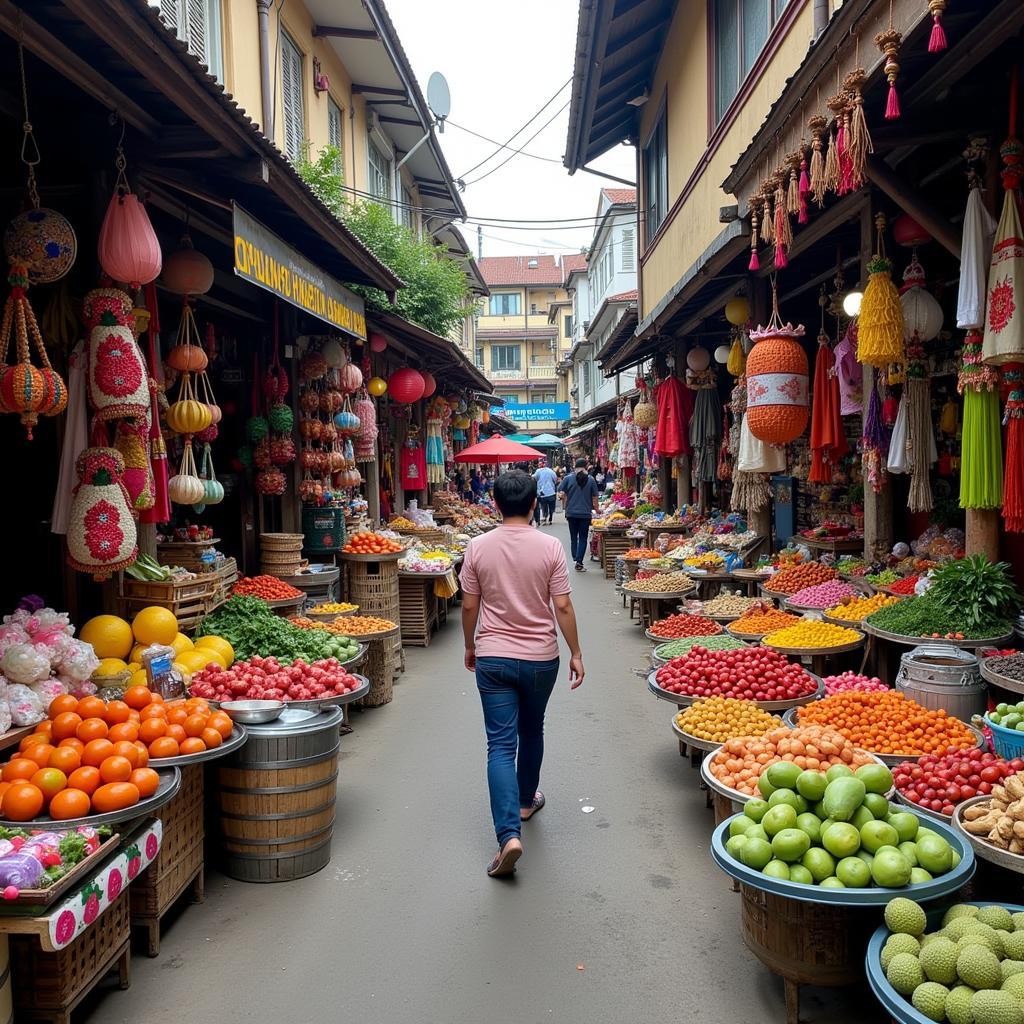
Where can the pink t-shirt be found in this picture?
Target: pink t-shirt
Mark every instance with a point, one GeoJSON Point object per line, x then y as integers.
{"type": "Point", "coordinates": [516, 571]}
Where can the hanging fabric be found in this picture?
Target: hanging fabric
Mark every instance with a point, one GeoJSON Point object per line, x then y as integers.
{"type": "Point", "coordinates": [1013, 503]}
{"type": "Point", "coordinates": [874, 442]}
{"type": "Point", "coordinates": [981, 466]}
{"type": "Point", "coordinates": [898, 460]}
{"type": "Point", "coordinates": [975, 253]}
{"type": "Point", "coordinates": [704, 428]}
{"type": "Point", "coordinates": [849, 373]}
{"type": "Point", "coordinates": [828, 438]}
{"type": "Point", "coordinates": [675, 407]}
{"type": "Point", "coordinates": [76, 439]}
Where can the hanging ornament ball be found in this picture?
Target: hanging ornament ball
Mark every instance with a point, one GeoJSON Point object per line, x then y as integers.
{"type": "Point", "coordinates": [127, 245]}
{"type": "Point", "coordinates": [737, 311]}
{"type": "Point", "coordinates": [350, 378]}
{"type": "Point", "coordinates": [377, 386]}
{"type": "Point", "coordinates": [280, 418]}
{"type": "Point", "coordinates": [429, 384]}
{"type": "Point", "coordinates": [333, 353]}
{"type": "Point", "coordinates": [187, 271]}
{"type": "Point", "coordinates": [906, 231]}
{"type": "Point", "coordinates": [406, 385]}
{"type": "Point", "coordinates": [378, 343]}
{"type": "Point", "coordinates": [722, 354]}
{"type": "Point", "coordinates": [487, 415]}
{"type": "Point", "coordinates": [922, 313]}
{"type": "Point", "coordinates": [777, 380]}
{"type": "Point", "coordinates": [43, 241]}
{"type": "Point", "coordinates": [698, 359]}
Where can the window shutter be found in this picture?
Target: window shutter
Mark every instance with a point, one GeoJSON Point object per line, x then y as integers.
{"type": "Point", "coordinates": [195, 34]}
{"type": "Point", "coordinates": [291, 92]}
{"type": "Point", "coordinates": [168, 13]}
{"type": "Point", "coordinates": [627, 249]}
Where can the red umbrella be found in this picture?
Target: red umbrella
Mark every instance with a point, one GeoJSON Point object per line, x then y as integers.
{"type": "Point", "coordinates": [498, 449]}
{"type": "Point", "coordinates": [828, 439]}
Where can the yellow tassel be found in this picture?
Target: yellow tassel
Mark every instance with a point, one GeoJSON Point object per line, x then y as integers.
{"type": "Point", "coordinates": [880, 326]}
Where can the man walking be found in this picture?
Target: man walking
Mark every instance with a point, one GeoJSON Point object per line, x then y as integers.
{"type": "Point", "coordinates": [579, 499]}
{"type": "Point", "coordinates": [547, 484]}
{"type": "Point", "coordinates": [515, 588]}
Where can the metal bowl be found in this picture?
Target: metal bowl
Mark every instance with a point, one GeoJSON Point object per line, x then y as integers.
{"type": "Point", "coordinates": [253, 712]}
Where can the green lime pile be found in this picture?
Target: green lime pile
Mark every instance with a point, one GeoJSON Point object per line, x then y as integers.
{"type": "Point", "coordinates": [674, 648]}
{"type": "Point", "coordinates": [968, 971]}
{"type": "Point", "coordinates": [835, 829]}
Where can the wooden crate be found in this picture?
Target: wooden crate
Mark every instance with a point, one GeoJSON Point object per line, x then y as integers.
{"type": "Point", "coordinates": [186, 553]}
{"type": "Point", "coordinates": [48, 986]}
{"type": "Point", "coordinates": [426, 535]}
{"type": "Point", "coordinates": [188, 600]}
{"type": "Point", "coordinates": [417, 610]}
{"type": "Point", "coordinates": [178, 865]}
{"type": "Point", "coordinates": [227, 576]}
{"type": "Point", "coordinates": [612, 545]}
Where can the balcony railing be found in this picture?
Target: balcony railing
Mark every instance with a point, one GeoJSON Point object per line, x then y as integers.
{"type": "Point", "coordinates": [543, 372]}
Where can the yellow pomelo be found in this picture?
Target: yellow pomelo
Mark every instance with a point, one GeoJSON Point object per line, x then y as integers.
{"type": "Point", "coordinates": [181, 643]}
{"type": "Point", "coordinates": [110, 636]}
{"type": "Point", "coordinates": [155, 625]}
{"type": "Point", "coordinates": [218, 644]}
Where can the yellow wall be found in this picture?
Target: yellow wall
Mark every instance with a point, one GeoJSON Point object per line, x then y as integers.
{"type": "Point", "coordinates": [682, 80]}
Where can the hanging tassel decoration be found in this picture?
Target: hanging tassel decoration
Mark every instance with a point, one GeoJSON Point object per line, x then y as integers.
{"type": "Point", "coordinates": [783, 229]}
{"type": "Point", "coordinates": [793, 188]}
{"type": "Point", "coordinates": [817, 126]}
{"type": "Point", "coordinates": [1013, 420]}
{"type": "Point", "coordinates": [755, 203]}
{"type": "Point", "coordinates": [859, 143]}
{"type": "Point", "coordinates": [837, 144]}
{"type": "Point", "coordinates": [880, 324]}
{"type": "Point", "coordinates": [889, 43]}
{"type": "Point", "coordinates": [937, 41]}
{"type": "Point", "coordinates": [768, 214]}
{"type": "Point", "coordinates": [804, 186]}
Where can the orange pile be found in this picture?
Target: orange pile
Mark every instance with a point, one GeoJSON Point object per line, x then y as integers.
{"type": "Point", "coordinates": [351, 625]}
{"type": "Point", "coordinates": [634, 554]}
{"type": "Point", "coordinates": [183, 727]}
{"type": "Point", "coordinates": [756, 621]}
{"type": "Point", "coordinates": [889, 723]}
{"type": "Point", "coordinates": [740, 762]}
{"type": "Point", "coordinates": [796, 577]}
{"type": "Point", "coordinates": [367, 543]}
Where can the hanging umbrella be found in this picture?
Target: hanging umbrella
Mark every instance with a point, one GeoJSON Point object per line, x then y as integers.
{"type": "Point", "coordinates": [828, 439]}
{"type": "Point", "coordinates": [498, 449]}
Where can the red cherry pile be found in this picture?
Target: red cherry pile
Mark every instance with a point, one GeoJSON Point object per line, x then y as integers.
{"type": "Point", "coordinates": [750, 673]}
{"type": "Point", "coordinates": [940, 783]}
{"type": "Point", "coordinates": [267, 679]}
{"type": "Point", "coordinates": [675, 627]}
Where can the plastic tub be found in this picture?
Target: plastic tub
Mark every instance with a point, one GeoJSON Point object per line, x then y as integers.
{"type": "Point", "coordinates": [1008, 742]}
{"type": "Point", "coordinates": [896, 1005]}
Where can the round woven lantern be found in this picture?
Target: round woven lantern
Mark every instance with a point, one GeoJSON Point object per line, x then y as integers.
{"type": "Point", "coordinates": [188, 272]}
{"type": "Point", "coordinates": [777, 380]}
{"type": "Point", "coordinates": [645, 414]}
{"type": "Point", "coordinates": [44, 242]}
{"type": "Point", "coordinates": [922, 314]}
{"type": "Point", "coordinates": [350, 378]}
{"type": "Point", "coordinates": [406, 385]}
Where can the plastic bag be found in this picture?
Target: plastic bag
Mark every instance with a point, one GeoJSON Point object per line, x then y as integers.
{"type": "Point", "coordinates": [83, 688]}
{"type": "Point", "coordinates": [12, 633]}
{"type": "Point", "coordinates": [25, 663]}
{"type": "Point", "coordinates": [26, 707]}
{"type": "Point", "coordinates": [48, 690]}
{"type": "Point", "coordinates": [79, 661]}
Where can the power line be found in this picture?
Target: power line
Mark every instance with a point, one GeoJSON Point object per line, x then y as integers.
{"type": "Point", "coordinates": [533, 156]}
{"type": "Point", "coordinates": [487, 174]}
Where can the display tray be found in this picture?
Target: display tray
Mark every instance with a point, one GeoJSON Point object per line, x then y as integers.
{"type": "Point", "coordinates": [896, 1007]}
{"type": "Point", "coordinates": [44, 897]}
{"type": "Point", "coordinates": [997, 679]}
{"type": "Point", "coordinates": [330, 616]}
{"type": "Point", "coordinates": [170, 783]}
{"type": "Point", "coordinates": [738, 635]}
{"type": "Point", "coordinates": [899, 798]}
{"type": "Point", "coordinates": [404, 574]}
{"type": "Point", "coordinates": [237, 739]}
{"type": "Point", "coordinates": [775, 595]}
{"type": "Point", "coordinates": [723, 620]}
{"type": "Point", "coordinates": [914, 641]}
{"type": "Point", "coordinates": [694, 741]}
{"type": "Point", "coordinates": [668, 640]}
{"type": "Point", "coordinates": [685, 700]}
{"type": "Point", "coordinates": [365, 638]}
{"type": "Point", "coordinates": [849, 624]}
{"type": "Point", "coordinates": [321, 702]}
{"type": "Point", "coordinates": [812, 652]}
{"type": "Point", "coordinates": [982, 848]}
{"type": "Point", "coordinates": [287, 602]}
{"type": "Point", "coordinates": [387, 556]}
{"type": "Point", "coordinates": [648, 595]}
{"type": "Point", "coordinates": [750, 574]}
{"type": "Point", "coordinates": [937, 887]}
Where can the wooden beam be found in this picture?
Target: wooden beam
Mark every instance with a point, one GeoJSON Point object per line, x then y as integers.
{"type": "Point", "coordinates": [822, 226]}
{"type": "Point", "coordinates": [901, 192]}
{"type": "Point", "coordinates": [380, 90]}
{"type": "Point", "coordinates": [407, 121]}
{"type": "Point", "coordinates": [49, 49]}
{"type": "Point", "coordinates": [338, 32]}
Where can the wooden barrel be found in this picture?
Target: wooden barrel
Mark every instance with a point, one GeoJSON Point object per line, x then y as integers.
{"type": "Point", "coordinates": [277, 796]}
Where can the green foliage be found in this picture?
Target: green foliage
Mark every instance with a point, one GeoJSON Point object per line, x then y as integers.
{"type": "Point", "coordinates": [973, 588]}
{"type": "Point", "coordinates": [435, 295]}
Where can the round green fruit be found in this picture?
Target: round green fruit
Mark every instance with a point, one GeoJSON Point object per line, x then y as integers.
{"type": "Point", "coordinates": [733, 846]}
{"type": "Point", "coordinates": [876, 777]}
{"type": "Point", "coordinates": [764, 787]}
{"type": "Point", "coordinates": [779, 817]}
{"type": "Point", "coordinates": [783, 774]}
{"type": "Point", "coordinates": [934, 854]}
{"type": "Point", "coordinates": [811, 785]}
{"type": "Point", "coordinates": [756, 853]}
{"type": "Point", "coordinates": [809, 823]}
{"type": "Point", "coordinates": [890, 869]}
{"type": "Point", "coordinates": [837, 771]}
{"type": "Point", "coordinates": [904, 973]}
{"type": "Point", "coordinates": [776, 869]}
{"type": "Point", "coordinates": [877, 805]}
{"type": "Point", "coordinates": [790, 844]}
{"type": "Point", "coordinates": [755, 809]}
{"type": "Point", "coordinates": [853, 873]}
{"type": "Point", "coordinates": [798, 873]}
{"type": "Point", "coordinates": [841, 840]}
{"type": "Point", "coordinates": [909, 850]}
{"type": "Point", "coordinates": [832, 882]}
{"type": "Point", "coordinates": [929, 999]}
{"type": "Point", "coordinates": [876, 834]}
{"type": "Point", "coordinates": [819, 863]}
{"type": "Point", "coordinates": [905, 916]}
{"type": "Point", "coordinates": [739, 825]}
{"type": "Point", "coordinates": [906, 824]}
{"type": "Point", "coordinates": [919, 876]}
{"type": "Point", "coordinates": [788, 796]}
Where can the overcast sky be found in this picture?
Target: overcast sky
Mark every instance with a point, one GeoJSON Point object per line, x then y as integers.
{"type": "Point", "coordinates": [503, 62]}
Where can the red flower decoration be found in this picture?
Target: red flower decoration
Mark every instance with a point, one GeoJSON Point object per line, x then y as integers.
{"type": "Point", "coordinates": [118, 367]}
{"type": "Point", "coordinates": [755, 389]}
{"type": "Point", "coordinates": [792, 389]}
{"type": "Point", "coordinates": [1000, 305]}
{"type": "Point", "coordinates": [103, 533]}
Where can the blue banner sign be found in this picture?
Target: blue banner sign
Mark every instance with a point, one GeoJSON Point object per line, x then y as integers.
{"type": "Point", "coordinates": [526, 413]}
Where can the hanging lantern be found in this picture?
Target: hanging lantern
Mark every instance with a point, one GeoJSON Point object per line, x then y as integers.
{"type": "Point", "coordinates": [280, 418]}
{"type": "Point", "coordinates": [185, 487]}
{"type": "Point", "coordinates": [271, 482]}
{"type": "Point", "coordinates": [187, 271]}
{"type": "Point", "coordinates": [880, 325]}
{"type": "Point", "coordinates": [429, 384]}
{"type": "Point", "coordinates": [213, 489]}
{"type": "Point", "coordinates": [118, 381]}
{"type": "Point", "coordinates": [43, 241]}
{"type": "Point", "coordinates": [406, 386]}
{"type": "Point", "coordinates": [698, 360]}
{"type": "Point", "coordinates": [922, 314]}
{"type": "Point", "coordinates": [350, 378]}
{"type": "Point", "coordinates": [313, 366]}
{"type": "Point", "coordinates": [377, 386]}
{"type": "Point", "coordinates": [645, 412]}
{"type": "Point", "coordinates": [333, 353]}
{"type": "Point", "coordinates": [101, 537]}
{"type": "Point", "coordinates": [907, 232]}
{"type": "Point", "coordinates": [378, 343]}
{"type": "Point", "coordinates": [188, 415]}
{"type": "Point", "coordinates": [737, 311]}
{"type": "Point", "coordinates": [128, 248]}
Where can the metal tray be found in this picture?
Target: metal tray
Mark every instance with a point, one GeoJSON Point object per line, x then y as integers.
{"type": "Point", "coordinates": [812, 652]}
{"type": "Point", "coordinates": [709, 746]}
{"type": "Point", "coordinates": [238, 737]}
{"type": "Point", "coordinates": [650, 595]}
{"type": "Point", "coordinates": [683, 700]}
{"type": "Point", "coordinates": [321, 703]}
{"type": "Point", "coordinates": [983, 849]}
{"type": "Point", "coordinates": [914, 641]}
{"type": "Point", "coordinates": [387, 556]}
{"type": "Point", "coordinates": [170, 783]}
{"type": "Point", "coordinates": [296, 720]}
{"type": "Point", "coordinates": [1004, 682]}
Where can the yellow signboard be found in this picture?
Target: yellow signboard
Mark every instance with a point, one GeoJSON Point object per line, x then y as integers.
{"type": "Point", "coordinates": [270, 262]}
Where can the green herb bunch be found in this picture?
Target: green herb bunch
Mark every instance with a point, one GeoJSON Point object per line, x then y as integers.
{"type": "Point", "coordinates": [976, 590]}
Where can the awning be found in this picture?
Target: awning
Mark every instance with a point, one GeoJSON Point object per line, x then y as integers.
{"type": "Point", "coordinates": [577, 435]}
{"type": "Point", "coordinates": [607, 408]}
{"type": "Point", "coordinates": [538, 441]}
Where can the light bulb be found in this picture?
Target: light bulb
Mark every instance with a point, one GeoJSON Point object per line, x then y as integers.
{"type": "Point", "coordinates": [851, 303]}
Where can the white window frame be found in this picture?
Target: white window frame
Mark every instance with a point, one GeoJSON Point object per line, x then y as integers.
{"type": "Point", "coordinates": [627, 257]}
{"type": "Point", "coordinates": [336, 115]}
{"type": "Point", "coordinates": [293, 101]}
{"type": "Point", "coordinates": [494, 307]}
{"type": "Point", "coordinates": [655, 177]}
{"type": "Point", "coordinates": [408, 214]}
{"type": "Point", "coordinates": [205, 43]}
{"type": "Point", "coordinates": [499, 352]}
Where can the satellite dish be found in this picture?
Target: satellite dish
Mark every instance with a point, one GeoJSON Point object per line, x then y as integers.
{"type": "Point", "coordinates": [438, 97]}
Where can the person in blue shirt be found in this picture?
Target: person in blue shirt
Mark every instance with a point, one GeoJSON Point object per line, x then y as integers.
{"type": "Point", "coordinates": [547, 485]}
{"type": "Point", "coordinates": [579, 499]}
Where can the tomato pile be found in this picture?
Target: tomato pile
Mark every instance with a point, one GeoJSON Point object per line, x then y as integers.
{"type": "Point", "coordinates": [797, 577]}
{"type": "Point", "coordinates": [905, 585]}
{"type": "Point", "coordinates": [675, 627]}
{"type": "Point", "coordinates": [940, 783]}
{"type": "Point", "coordinates": [753, 673]}
{"type": "Point", "coordinates": [368, 543]}
{"type": "Point", "coordinates": [267, 679]}
{"type": "Point", "coordinates": [270, 588]}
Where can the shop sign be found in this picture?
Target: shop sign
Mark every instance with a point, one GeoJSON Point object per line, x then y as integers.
{"type": "Point", "coordinates": [270, 262]}
{"type": "Point", "coordinates": [537, 411]}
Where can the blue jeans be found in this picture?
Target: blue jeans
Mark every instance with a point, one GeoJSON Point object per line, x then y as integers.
{"type": "Point", "coordinates": [579, 531]}
{"type": "Point", "coordinates": [514, 695]}
{"type": "Point", "coordinates": [545, 509]}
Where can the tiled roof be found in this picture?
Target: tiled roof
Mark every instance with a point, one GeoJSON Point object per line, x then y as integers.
{"type": "Point", "coordinates": [499, 270]}
{"type": "Point", "coordinates": [629, 296]}
{"type": "Point", "coordinates": [620, 195]}
{"type": "Point", "coordinates": [575, 261]}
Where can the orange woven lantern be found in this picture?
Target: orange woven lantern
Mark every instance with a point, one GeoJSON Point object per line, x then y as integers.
{"type": "Point", "coordinates": [777, 380]}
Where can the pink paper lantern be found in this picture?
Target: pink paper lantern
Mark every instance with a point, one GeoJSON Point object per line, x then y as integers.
{"type": "Point", "coordinates": [378, 343]}
{"type": "Point", "coordinates": [128, 249]}
{"type": "Point", "coordinates": [406, 385]}
{"type": "Point", "coordinates": [429, 384]}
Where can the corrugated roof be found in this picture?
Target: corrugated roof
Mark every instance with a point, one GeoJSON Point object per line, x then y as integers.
{"type": "Point", "coordinates": [499, 270]}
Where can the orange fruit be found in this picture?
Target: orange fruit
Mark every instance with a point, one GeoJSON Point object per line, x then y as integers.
{"type": "Point", "coordinates": [123, 731]}
{"type": "Point", "coordinates": [153, 711]}
{"type": "Point", "coordinates": [165, 746]}
{"type": "Point", "coordinates": [211, 738]}
{"type": "Point", "coordinates": [177, 715]}
{"type": "Point", "coordinates": [74, 742]}
{"type": "Point", "coordinates": [69, 803]}
{"type": "Point", "coordinates": [127, 750]}
{"type": "Point", "coordinates": [156, 698]}
{"type": "Point", "coordinates": [152, 729]}
{"type": "Point", "coordinates": [40, 753]}
{"type": "Point", "coordinates": [31, 741]}
{"type": "Point", "coordinates": [143, 751]}
{"type": "Point", "coordinates": [50, 782]}
{"type": "Point", "coordinates": [67, 759]}
{"type": "Point", "coordinates": [22, 802]}
{"type": "Point", "coordinates": [19, 769]}
{"type": "Point", "coordinates": [193, 745]}
{"type": "Point", "coordinates": [4, 786]}
{"type": "Point", "coordinates": [44, 728]}
{"type": "Point", "coordinates": [117, 711]}
{"type": "Point", "coordinates": [133, 716]}
{"type": "Point", "coordinates": [195, 704]}
{"type": "Point", "coordinates": [96, 752]}
{"type": "Point", "coordinates": [92, 729]}
{"type": "Point", "coordinates": [59, 705]}
{"type": "Point", "coordinates": [65, 724]}
{"type": "Point", "coordinates": [177, 733]}
{"type": "Point", "coordinates": [86, 778]}
{"type": "Point", "coordinates": [194, 725]}
{"type": "Point", "coordinates": [91, 707]}
{"type": "Point", "coordinates": [114, 796]}
{"type": "Point", "coordinates": [116, 769]}
{"type": "Point", "coordinates": [138, 697]}
{"type": "Point", "coordinates": [222, 723]}
{"type": "Point", "coordinates": [145, 780]}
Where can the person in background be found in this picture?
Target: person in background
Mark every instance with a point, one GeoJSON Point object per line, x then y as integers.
{"type": "Point", "coordinates": [547, 485]}
{"type": "Point", "coordinates": [579, 501]}
{"type": "Point", "coordinates": [476, 485]}
{"type": "Point", "coordinates": [600, 476]}
{"type": "Point", "coordinates": [515, 589]}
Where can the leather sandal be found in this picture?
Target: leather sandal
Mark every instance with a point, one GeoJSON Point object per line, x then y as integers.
{"type": "Point", "coordinates": [526, 813]}
{"type": "Point", "coordinates": [504, 862]}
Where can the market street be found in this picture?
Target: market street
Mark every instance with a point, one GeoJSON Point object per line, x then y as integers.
{"type": "Point", "coordinates": [404, 927]}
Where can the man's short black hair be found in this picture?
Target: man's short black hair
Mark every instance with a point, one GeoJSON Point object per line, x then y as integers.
{"type": "Point", "coordinates": [515, 493]}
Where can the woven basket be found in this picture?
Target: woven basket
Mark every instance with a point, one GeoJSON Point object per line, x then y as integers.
{"type": "Point", "coordinates": [281, 542]}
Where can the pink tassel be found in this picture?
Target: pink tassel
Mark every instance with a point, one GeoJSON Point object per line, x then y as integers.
{"type": "Point", "coordinates": [755, 262]}
{"type": "Point", "coordinates": [845, 168]}
{"type": "Point", "coordinates": [805, 190]}
{"type": "Point", "coordinates": [892, 106]}
{"type": "Point", "coordinates": [802, 217]}
{"type": "Point", "coordinates": [937, 41]}
{"type": "Point", "coordinates": [780, 257]}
